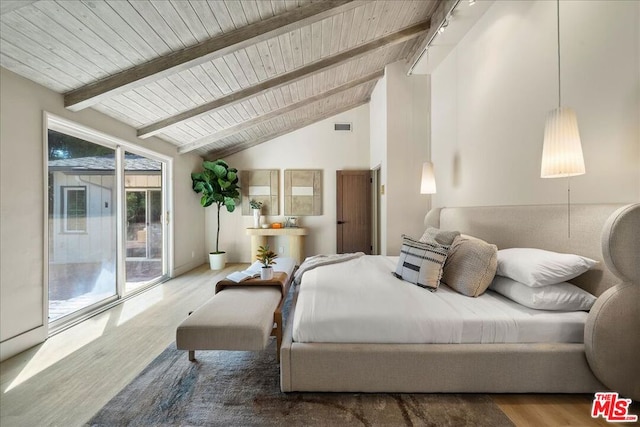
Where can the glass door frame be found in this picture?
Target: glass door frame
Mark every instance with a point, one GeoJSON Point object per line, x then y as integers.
{"type": "Point", "coordinates": [59, 124]}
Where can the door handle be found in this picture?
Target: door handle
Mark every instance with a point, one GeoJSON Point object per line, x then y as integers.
{"type": "Point", "coordinates": [341, 222]}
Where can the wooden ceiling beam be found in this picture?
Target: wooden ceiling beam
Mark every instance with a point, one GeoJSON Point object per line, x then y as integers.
{"type": "Point", "coordinates": [207, 50]}
{"type": "Point", "coordinates": [278, 112]}
{"type": "Point", "coordinates": [225, 152]}
{"type": "Point", "coordinates": [285, 79]}
{"type": "Point", "coordinates": [438, 14]}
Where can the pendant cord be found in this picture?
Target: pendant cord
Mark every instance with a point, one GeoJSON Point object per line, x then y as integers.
{"type": "Point", "coordinates": [568, 206]}
{"type": "Point", "coordinates": [558, 18]}
{"type": "Point", "coordinates": [559, 106]}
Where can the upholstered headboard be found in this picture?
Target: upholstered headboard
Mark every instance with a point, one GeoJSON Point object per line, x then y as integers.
{"type": "Point", "coordinates": [607, 233]}
{"type": "Point", "coordinates": [538, 226]}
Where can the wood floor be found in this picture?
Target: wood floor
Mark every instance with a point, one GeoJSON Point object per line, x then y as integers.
{"type": "Point", "coordinates": [67, 379]}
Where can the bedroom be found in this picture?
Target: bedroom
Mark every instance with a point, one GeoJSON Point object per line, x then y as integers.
{"type": "Point", "coordinates": [473, 150]}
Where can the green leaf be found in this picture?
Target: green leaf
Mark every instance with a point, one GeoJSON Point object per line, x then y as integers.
{"type": "Point", "coordinates": [198, 186]}
{"type": "Point", "coordinates": [230, 204]}
{"type": "Point", "coordinates": [220, 171]}
{"type": "Point", "coordinates": [232, 176]}
{"type": "Point", "coordinates": [208, 165]}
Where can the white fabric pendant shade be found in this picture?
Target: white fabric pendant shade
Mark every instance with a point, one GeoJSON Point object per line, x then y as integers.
{"type": "Point", "coordinates": [562, 150]}
{"type": "Point", "coordinates": [428, 183]}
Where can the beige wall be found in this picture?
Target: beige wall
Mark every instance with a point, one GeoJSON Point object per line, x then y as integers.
{"type": "Point", "coordinates": [491, 95]}
{"type": "Point", "coordinates": [314, 147]}
{"type": "Point", "coordinates": [400, 144]}
{"type": "Point", "coordinates": [22, 204]}
{"type": "Point", "coordinates": [407, 150]}
{"type": "Point", "coordinates": [378, 149]}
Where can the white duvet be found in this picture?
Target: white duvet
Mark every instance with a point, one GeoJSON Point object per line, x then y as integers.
{"type": "Point", "coordinates": [360, 301]}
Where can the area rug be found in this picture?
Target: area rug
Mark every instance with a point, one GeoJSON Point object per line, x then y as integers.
{"type": "Point", "coordinates": [230, 388]}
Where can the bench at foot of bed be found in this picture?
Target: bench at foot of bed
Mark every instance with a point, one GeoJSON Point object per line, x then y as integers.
{"type": "Point", "coordinates": [240, 316]}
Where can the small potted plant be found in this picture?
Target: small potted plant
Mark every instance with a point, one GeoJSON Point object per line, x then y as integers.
{"type": "Point", "coordinates": [256, 208]}
{"type": "Point", "coordinates": [266, 258]}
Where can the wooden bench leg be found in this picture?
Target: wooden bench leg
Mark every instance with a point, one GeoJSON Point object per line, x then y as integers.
{"type": "Point", "coordinates": [192, 355]}
{"type": "Point", "coordinates": [277, 318]}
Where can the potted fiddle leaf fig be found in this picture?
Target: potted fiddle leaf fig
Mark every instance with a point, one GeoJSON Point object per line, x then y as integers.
{"type": "Point", "coordinates": [267, 259]}
{"type": "Point", "coordinates": [218, 184]}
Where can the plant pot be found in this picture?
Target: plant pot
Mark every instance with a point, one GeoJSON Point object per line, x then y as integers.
{"type": "Point", "coordinates": [256, 218]}
{"type": "Point", "coordinates": [217, 260]}
{"type": "Point", "coordinates": [266, 273]}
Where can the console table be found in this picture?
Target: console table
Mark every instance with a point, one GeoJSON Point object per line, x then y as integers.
{"type": "Point", "coordinates": [294, 234]}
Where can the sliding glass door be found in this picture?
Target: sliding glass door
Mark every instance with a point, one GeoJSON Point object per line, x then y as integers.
{"type": "Point", "coordinates": [106, 221]}
{"type": "Point", "coordinates": [144, 228]}
{"type": "Point", "coordinates": [82, 224]}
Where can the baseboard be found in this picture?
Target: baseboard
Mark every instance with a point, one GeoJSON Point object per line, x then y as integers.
{"type": "Point", "coordinates": [22, 342]}
{"type": "Point", "coordinates": [178, 271]}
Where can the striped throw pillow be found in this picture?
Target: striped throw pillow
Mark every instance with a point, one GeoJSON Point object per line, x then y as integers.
{"type": "Point", "coordinates": [421, 263]}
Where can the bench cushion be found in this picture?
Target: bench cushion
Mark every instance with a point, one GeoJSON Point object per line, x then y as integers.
{"type": "Point", "coordinates": [239, 318]}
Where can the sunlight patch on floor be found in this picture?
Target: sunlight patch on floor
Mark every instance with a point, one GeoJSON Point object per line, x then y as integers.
{"type": "Point", "coordinates": [60, 346]}
{"type": "Point", "coordinates": [137, 305]}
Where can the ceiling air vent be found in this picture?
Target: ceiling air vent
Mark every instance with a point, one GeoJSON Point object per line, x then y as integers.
{"type": "Point", "coordinates": [342, 127]}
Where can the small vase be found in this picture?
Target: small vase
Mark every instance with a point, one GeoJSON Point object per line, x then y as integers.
{"type": "Point", "coordinates": [266, 273]}
{"type": "Point", "coordinates": [256, 218]}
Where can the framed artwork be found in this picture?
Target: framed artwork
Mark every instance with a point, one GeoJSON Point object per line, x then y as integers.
{"type": "Point", "coordinates": [261, 185]}
{"type": "Point", "coordinates": [303, 192]}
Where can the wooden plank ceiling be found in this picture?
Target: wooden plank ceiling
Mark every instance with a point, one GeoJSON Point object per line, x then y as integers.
{"type": "Point", "coordinates": [211, 77]}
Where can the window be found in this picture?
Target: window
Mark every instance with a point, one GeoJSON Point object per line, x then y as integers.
{"type": "Point", "coordinates": [74, 209]}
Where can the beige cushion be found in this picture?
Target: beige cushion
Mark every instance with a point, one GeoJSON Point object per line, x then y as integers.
{"type": "Point", "coordinates": [621, 243]}
{"type": "Point", "coordinates": [470, 265]}
{"type": "Point", "coordinates": [435, 236]}
{"type": "Point", "coordinates": [237, 318]}
{"type": "Point", "coordinates": [611, 339]}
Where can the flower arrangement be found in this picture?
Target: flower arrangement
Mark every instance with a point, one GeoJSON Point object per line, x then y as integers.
{"type": "Point", "coordinates": [266, 256]}
{"type": "Point", "coordinates": [255, 204]}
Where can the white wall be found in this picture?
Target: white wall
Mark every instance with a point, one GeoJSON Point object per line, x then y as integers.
{"type": "Point", "coordinates": [407, 150]}
{"type": "Point", "coordinates": [400, 144]}
{"type": "Point", "coordinates": [314, 147]}
{"type": "Point", "coordinates": [22, 204]}
{"type": "Point", "coordinates": [378, 149]}
{"type": "Point", "coordinates": [491, 95]}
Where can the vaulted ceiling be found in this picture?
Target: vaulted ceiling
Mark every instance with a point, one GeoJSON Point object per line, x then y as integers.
{"type": "Point", "coordinates": [211, 77]}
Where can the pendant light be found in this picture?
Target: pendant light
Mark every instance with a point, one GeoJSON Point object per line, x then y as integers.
{"type": "Point", "coordinates": [562, 150]}
{"type": "Point", "coordinates": [428, 183]}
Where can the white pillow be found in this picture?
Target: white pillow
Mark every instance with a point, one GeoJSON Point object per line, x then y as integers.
{"type": "Point", "coordinates": [560, 297]}
{"type": "Point", "coordinates": [537, 267]}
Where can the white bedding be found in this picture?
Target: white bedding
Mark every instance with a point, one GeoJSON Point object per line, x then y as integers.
{"type": "Point", "coordinates": [360, 301]}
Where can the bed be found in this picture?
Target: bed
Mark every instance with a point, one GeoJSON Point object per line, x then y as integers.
{"type": "Point", "coordinates": [604, 356]}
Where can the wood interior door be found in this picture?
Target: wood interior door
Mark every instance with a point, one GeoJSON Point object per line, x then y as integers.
{"type": "Point", "coordinates": [354, 211]}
